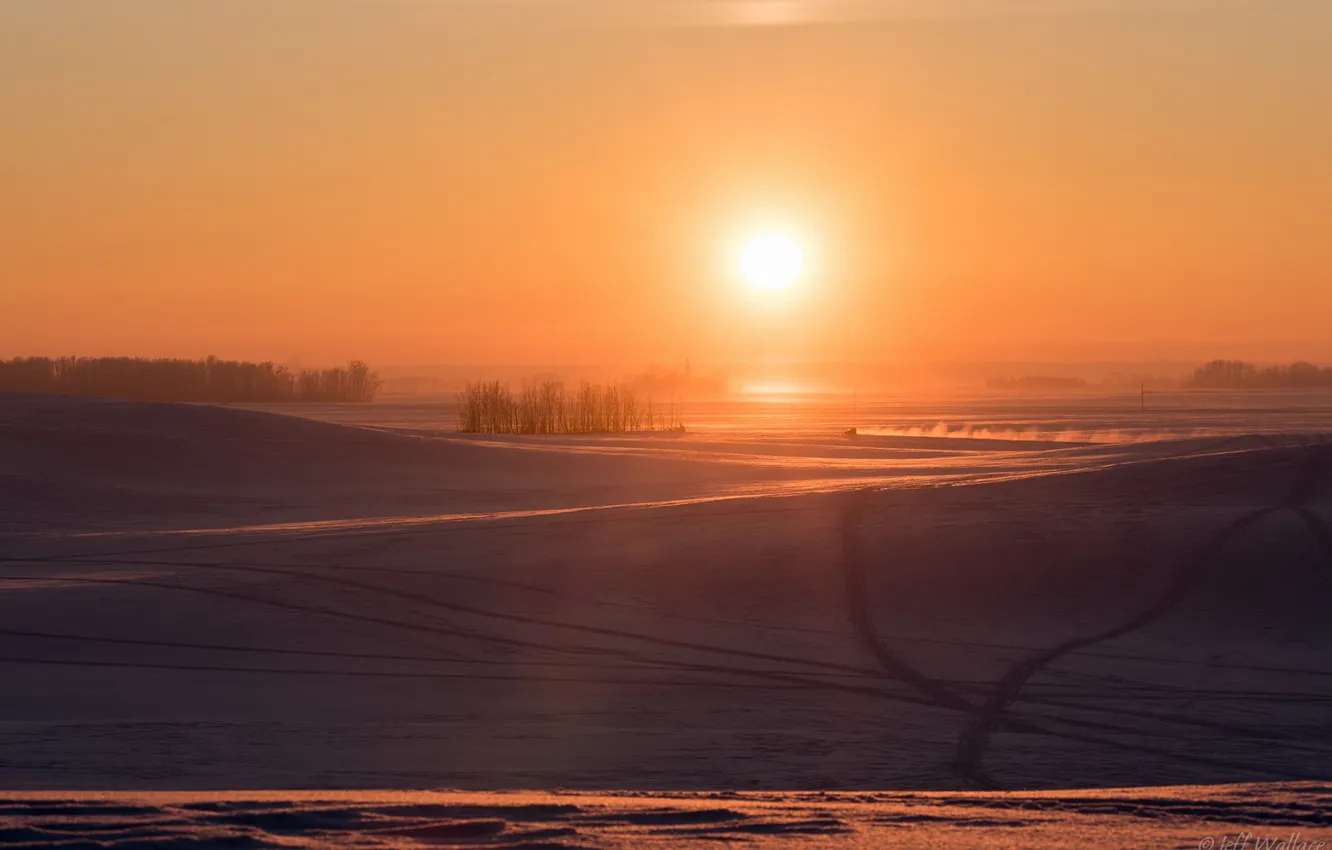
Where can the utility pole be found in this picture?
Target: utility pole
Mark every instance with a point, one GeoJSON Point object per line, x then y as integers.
{"type": "Point", "coordinates": [1144, 396]}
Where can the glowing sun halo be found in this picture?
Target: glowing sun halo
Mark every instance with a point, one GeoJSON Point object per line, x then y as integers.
{"type": "Point", "coordinates": [771, 261]}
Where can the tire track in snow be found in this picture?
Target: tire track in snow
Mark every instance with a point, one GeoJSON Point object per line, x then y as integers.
{"type": "Point", "coordinates": [975, 740]}
{"type": "Point", "coordinates": [862, 620]}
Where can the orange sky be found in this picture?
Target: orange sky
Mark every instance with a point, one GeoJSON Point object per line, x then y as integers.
{"type": "Point", "coordinates": [431, 182]}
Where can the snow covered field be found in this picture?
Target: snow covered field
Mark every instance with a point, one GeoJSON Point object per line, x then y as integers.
{"type": "Point", "coordinates": [1069, 595]}
{"type": "Point", "coordinates": [1258, 817]}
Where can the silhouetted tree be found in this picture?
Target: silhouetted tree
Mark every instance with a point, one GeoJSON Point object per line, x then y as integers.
{"type": "Point", "coordinates": [208, 380]}
{"type": "Point", "coordinates": [1235, 374]}
{"type": "Point", "coordinates": [544, 406]}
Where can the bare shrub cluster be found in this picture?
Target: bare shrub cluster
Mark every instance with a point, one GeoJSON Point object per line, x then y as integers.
{"type": "Point", "coordinates": [546, 406]}
{"type": "Point", "coordinates": [210, 380]}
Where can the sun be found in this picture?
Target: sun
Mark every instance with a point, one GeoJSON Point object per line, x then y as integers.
{"type": "Point", "coordinates": [771, 261]}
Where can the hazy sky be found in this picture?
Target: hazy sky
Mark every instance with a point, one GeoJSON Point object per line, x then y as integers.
{"type": "Point", "coordinates": [417, 181]}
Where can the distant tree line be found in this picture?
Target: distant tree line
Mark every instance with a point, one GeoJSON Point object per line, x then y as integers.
{"type": "Point", "coordinates": [670, 383]}
{"type": "Point", "coordinates": [1236, 374]}
{"type": "Point", "coordinates": [1036, 382]}
{"type": "Point", "coordinates": [545, 406]}
{"type": "Point", "coordinates": [210, 380]}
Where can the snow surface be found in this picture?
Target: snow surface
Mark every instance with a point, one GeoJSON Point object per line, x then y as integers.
{"type": "Point", "coordinates": [199, 598]}
{"type": "Point", "coordinates": [1182, 817]}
